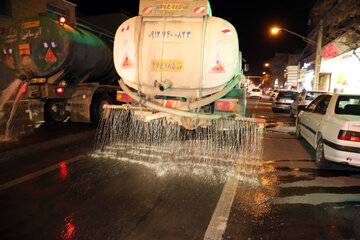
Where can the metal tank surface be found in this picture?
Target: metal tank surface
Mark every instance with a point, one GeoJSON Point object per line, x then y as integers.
{"type": "Point", "coordinates": [70, 69]}
{"type": "Point", "coordinates": [176, 49]}
{"type": "Point", "coordinates": [43, 47]}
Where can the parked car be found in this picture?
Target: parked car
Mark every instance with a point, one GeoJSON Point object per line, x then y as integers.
{"type": "Point", "coordinates": [283, 99]}
{"type": "Point", "coordinates": [303, 99]}
{"type": "Point", "coordinates": [331, 125]}
{"type": "Point", "coordinates": [255, 92]}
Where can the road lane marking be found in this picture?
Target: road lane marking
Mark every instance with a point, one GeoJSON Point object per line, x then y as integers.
{"type": "Point", "coordinates": [217, 225]}
{"type": "Point", "coordinates": [318, 198]}
{"type": "Point", "coordinates": [37, 173]}
{"type": "Point", "coordinates": [342, 181]}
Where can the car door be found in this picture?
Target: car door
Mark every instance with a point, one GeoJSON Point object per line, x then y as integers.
{"type": "Point", "coordinates": [304, 120]}
{"type": "Point", "coordinates": [316, 118]}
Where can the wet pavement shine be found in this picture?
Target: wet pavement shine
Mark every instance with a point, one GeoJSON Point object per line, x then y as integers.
{"type": "Point", "coordinates": [63, 188]}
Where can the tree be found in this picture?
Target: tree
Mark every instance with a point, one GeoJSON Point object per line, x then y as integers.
{"type": "Point", "coordinates": [341, 21]}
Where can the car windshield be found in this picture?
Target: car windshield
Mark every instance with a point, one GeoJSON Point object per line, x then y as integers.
{"type": "Point", "coordinates": [312, 95]}
{"type": "Point", "coordinates": [288, 94]}
{"type": "Point", "coordinates": [348, 105]}
{"type": "Point", "coordinates": [256, 90]}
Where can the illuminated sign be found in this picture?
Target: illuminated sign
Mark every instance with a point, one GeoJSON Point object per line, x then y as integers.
{"type": "Point", "coordinates": [330, 51]}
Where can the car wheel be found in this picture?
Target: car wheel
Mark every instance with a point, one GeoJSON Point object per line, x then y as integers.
{"type": "Point", "coordinates": [298, 130]}
{"type": "Point", "coordinates": [320, 160]}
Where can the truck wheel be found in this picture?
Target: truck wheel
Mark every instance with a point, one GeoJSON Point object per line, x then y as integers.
{"type": "Point", "coordinates": [56, 110]}
{"type": "Point", "coordinates": [320, 160]}
{"type": "Point", "coordinates": [97, 107]}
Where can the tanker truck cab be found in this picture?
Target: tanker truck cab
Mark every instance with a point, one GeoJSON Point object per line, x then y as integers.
{"type": "Point", "coordinates": [70, 70]}
{"type": "Point", "coordinates": [177, 59]}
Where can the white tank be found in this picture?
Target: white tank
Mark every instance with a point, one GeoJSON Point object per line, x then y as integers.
{"type": "Point", "coordinates": [179, 44]}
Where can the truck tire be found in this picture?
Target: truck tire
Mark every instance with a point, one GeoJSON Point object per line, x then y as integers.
{"type": "Point", "coordinates": [56, 110]}
{"type": "Point", "coordinates": [97, 107]}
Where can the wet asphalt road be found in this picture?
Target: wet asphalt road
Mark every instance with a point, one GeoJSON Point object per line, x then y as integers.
{"type": "Point", "coordinates": [54, 185]}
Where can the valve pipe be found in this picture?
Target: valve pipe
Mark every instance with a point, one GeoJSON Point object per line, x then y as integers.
{"type": "Point", "coordinates": [164, 85]}
{"type": "Point", "coordinates": [181, 112]}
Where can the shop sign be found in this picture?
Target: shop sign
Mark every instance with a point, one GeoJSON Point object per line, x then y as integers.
{"type": "Point", "coordinates": [330, 51]}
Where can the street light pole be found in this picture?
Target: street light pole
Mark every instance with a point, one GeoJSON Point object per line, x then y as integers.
{"type": "Point", "coordinates": [303, 38]}
{"type": "Point", "coordinates": [318, 56]}
{"type": "Point", "coordinates": [318, 44]}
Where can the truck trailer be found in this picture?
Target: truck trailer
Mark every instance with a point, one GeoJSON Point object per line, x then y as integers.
{"type": "Point", "coordinates": [70, 69]}
{"type": "Point", "coordinates": [179, 61]}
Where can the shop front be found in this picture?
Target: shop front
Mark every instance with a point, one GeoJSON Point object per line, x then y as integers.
{"type": "Point", "coordinates": [339, 72]}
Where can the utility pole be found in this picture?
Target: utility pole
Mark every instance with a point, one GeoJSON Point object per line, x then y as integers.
{"type": "Point", "coordinates": [318, 55]}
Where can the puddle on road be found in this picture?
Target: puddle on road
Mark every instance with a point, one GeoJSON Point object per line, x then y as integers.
{"type": "Point", "coordinates": [170, 149]}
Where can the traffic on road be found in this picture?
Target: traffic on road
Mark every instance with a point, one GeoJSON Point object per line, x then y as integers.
{"type": "Point", "coordinates": [64, 186]}
{"type": "Point", "coordinates": [154, 127]}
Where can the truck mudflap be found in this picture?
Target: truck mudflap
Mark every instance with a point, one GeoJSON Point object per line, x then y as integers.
{"type": "Point", "coordinates": [80, 104]}
{"type": "Point", "coordinates": [36, 110]}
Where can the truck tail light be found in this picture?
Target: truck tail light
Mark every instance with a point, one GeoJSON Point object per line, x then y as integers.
{"type": "Point", "coordinates": [59, 90]}
{"type": "Point", "coordinates": [123, 97]}
{"type": "Point", "coordinates": [349, 136]}
{"type": "Point", "coordinates": [62, 20]}
{"type": "Point", "coordinates": [225, 106]}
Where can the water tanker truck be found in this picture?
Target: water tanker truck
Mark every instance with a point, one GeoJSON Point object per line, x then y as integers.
{"type": "Point", "coordinates": [178, 60]}
{"type": "Point", "coordinates": [70, 69]}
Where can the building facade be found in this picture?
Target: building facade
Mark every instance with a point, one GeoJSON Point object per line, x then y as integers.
{"type": "Point", "coordinates": [340, 51]}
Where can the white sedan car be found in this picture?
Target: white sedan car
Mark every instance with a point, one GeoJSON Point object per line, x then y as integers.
{"type": "Point", "coordinates": [331, 125]}
{"type": "Point", "coordinates": [255, 92]}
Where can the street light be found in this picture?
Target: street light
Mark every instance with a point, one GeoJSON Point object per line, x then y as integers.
{"type": "Point", "coordinates": [276, 30]}
{"type": "Point", "coordinates": [318, 44]}
{"type": "Point", "coordinates": [267, 64]}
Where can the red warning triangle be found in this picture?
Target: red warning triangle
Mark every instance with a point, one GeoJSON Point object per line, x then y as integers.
{"type": "Point", "coordinates": [127, 62]}
{"type": "Point", "coordinates": [50, 56]}
{"type": "Point", "coordinates": [218, 65]}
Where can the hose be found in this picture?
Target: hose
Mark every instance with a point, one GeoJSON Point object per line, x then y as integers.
{"type": "Point", "coordinates": [181, 112]}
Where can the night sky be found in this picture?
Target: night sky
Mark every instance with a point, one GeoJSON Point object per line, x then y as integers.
{"type": "Point", "coordinates": [252, 19]}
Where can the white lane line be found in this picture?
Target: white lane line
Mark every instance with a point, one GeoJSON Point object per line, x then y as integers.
{"type": "Point", "coordinates": [217, 225]}
{"type": "Point", "coordinates": [37, 173]}
{"type": "Point", "coordinates": [343, 181]}
{"type": "Point", "coordinates": [319, 198]}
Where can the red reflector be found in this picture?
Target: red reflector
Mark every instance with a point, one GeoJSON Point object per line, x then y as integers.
{"type": "Point", "coordinates": [349, 136]}
{"type": "Point", "coordinates": [123, 97]}
{"type": "Point", "coordinates": [225, 106]}
{"type": "Point", "coordinates": [60, 90]}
